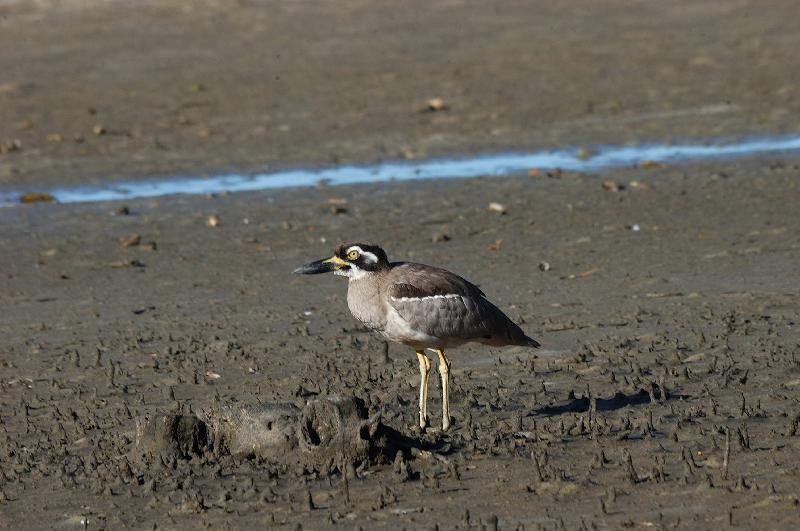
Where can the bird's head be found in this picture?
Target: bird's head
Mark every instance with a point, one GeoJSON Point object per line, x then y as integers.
{"type": "Point", "coordinates": [350, 260]}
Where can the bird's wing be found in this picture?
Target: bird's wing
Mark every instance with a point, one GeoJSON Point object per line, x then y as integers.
{"type": "Point", "coordinates": [420, 280]}
{"type": "Point", "coordinates": [439, 303]}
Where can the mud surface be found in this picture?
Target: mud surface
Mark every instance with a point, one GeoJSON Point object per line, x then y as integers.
{"type": "Point", "coordinates": [667, 391]}
{"type": "Point", "coordinates": [166, 87]}
{"type": "Point", "coordinates": [659, 346]}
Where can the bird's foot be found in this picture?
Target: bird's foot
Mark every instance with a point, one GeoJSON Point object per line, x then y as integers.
{"type": "Point", "coordinates": [423, 422]}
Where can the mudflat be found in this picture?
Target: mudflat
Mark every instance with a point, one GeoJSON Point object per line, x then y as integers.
{"type": "Point", "coordinates": [683, 334]}
{"type": "Point", "coordinates": [99, 91]}
{"type": "Point", "coordinates": [665, 297]}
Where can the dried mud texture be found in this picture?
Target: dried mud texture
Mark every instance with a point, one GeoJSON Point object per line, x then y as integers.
{"type": "Point", "coordinates": [170, 437]}
{"type": "Point", "coordinates": [262, 431]}
{"type": "Point", "coordinates": [335, 433]}
{"type": "Point", "coordinates": [666, 394]}
{"type": "Point", "coordinates": [327, 435]}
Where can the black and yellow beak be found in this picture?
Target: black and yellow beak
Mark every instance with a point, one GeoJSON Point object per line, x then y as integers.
{"type": "Point", "coordinates": [321, 266]}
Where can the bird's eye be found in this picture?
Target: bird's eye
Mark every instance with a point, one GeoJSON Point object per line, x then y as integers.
{"type": "Point", "coordinates": [352, 255]}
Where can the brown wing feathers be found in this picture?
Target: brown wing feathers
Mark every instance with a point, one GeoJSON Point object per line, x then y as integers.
{"type": "Point", "coordinates": [442, 304]}
{"type": "Point", "coordinates": [419, 280]}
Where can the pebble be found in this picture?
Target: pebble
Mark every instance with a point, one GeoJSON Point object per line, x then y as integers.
{"type": "Point", "coordinates": [497, 207]}
{"type": "Point", "coordinates": [650, 164]}
{"type": "Point", "coordinates": [496, 245]}
{"type": "Point", "coordinates": [36, 197]}
{"type": "Point", "coordinates": [611, 186]}
{"type": "Point", "coordinates": [10, 145]}
{"type": "Point", "coordinates": [435, 104]}
{"type": "Point", "coordinates": [130, 240]}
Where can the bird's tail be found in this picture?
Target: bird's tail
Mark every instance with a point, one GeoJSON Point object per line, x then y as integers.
{"type": "Point", "coordinates": [517, 336]}
{"type": "Point", "coordinates": [532, 342]}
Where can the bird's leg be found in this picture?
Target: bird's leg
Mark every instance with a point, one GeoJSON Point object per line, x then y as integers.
{"type": "Point", "coordinates": [424, 370]}
{"type": "Point", "coordinates": [444, 372]}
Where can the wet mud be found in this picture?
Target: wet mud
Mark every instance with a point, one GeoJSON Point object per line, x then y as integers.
{"type": "Point", "coordinates": [161, 367]}
{"type": "Point", "coordinates": [189, 379]}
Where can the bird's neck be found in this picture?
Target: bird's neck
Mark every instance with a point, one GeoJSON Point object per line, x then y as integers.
{"type": "Point", "coordinates": [360, 276]}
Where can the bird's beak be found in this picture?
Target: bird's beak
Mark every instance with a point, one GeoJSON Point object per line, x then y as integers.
{"type": "Point", "coordinates": [321, 266]}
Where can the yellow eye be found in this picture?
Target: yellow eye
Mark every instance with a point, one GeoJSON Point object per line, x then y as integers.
{"type": "Point", "coordinates": [352, 255]}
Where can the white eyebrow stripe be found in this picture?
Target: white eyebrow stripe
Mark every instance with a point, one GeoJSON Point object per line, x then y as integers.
{"type": "Point", "coordinates": [427, 297]}
{"type": "Point", "coordinates": [366, 254]}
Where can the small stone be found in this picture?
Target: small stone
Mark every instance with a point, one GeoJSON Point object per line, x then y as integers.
{"type": "Point", "coordinates": [128, 263]}
{"type": "Point", "coordinates": [611, 186]}
{"type": "Point", "coordinates": [435, 104]}
{"type": "Point", "coordinates": [130, 240]}
{"type": "Point", "coordinates": [409, 154]}
{"type": "Point", "coordinates": [497, 207]}
{"type": "Point", "coordinates": [213, 221]}
{"type": "Point", "coordinates": [10, 145]}
{"type": "Point", "coordinates": [439, 237]}
{"type": "Point", "coordinates": [496, 245]}
{"type": "Point", "coordinates": [650, 164]}
{"type": "Point", "coordinates": [36, 197]}
{"type": "Point", "coordinates": [544, 266]}
{"type": "Point", "coordinates": [99, 130]}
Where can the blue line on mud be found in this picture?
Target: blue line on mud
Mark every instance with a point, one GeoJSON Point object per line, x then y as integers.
{"type": "Point", "coordinates": [458, 167]}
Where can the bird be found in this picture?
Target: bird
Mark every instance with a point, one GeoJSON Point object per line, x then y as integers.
{"type": "Point", "coordinates": [421, 306]}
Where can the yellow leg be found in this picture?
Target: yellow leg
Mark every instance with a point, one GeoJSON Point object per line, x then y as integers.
{"type": "Point", "coordinates": [424, 370]}
{"type": "Point", "coordinates": [444, 372]}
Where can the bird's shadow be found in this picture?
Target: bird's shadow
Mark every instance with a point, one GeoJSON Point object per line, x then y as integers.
{"type": "Point", "coordinates": [620, 400]}
{"type": "Point", "coordinates": [396, 440]}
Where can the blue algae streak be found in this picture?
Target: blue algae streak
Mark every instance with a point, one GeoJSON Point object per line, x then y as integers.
{"type": "Point", "coordinates": [444, 168]}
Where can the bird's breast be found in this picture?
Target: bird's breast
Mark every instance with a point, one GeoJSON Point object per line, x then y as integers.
{"type": "Point", "coordinates": [364, 301]}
